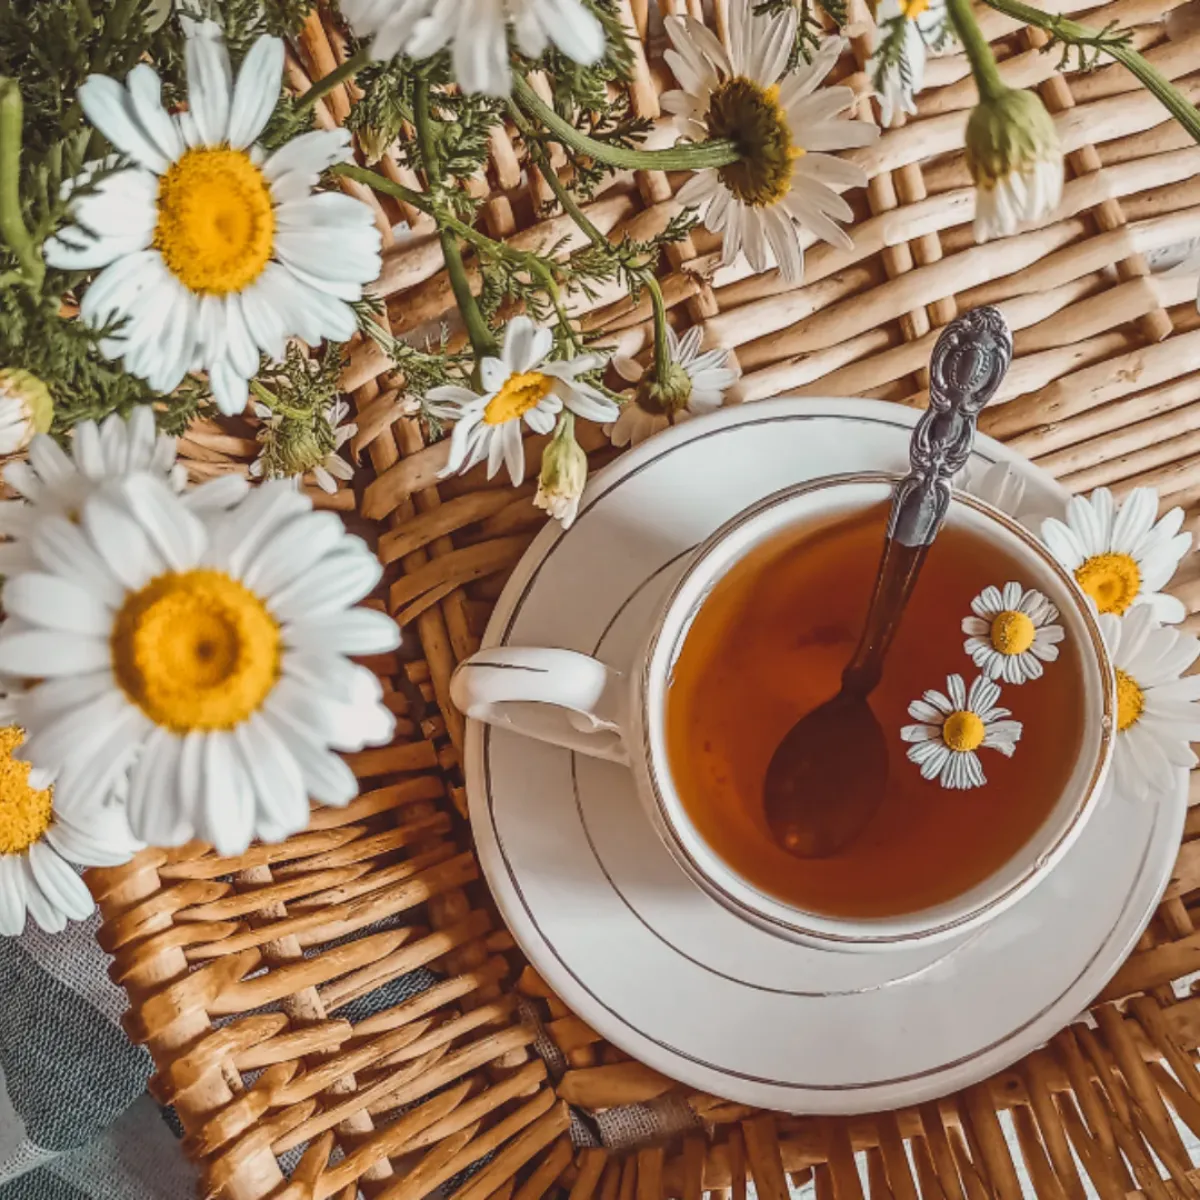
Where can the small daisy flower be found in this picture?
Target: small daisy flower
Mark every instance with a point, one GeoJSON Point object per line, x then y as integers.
{"type": "Point", "coordinates": [786, 182]}
{"type": "Point", "coordinates": [521, 387]}
{"type": "Point", "coordinates": [205, 659]}
{"type": "Point", "coordinates": [1120, 555]}
{"type": "Point", "coordinates": [305, 449]}
{"type": "Point", "coordinates": [917, 25]}
{"type": "Point", "coordinates": [1157, 714]}
{"type": "Point", "coordinates": [37, 847]}
{"type": "Point", "coordinates": [212, 251]}
{"type": "Point", "coordinates": [26, 409]}
{"type": "Point", "coordinates": [698, 383]}
{"type": "Point", "coordinates": [953, 726]}
{"type": "Point", "coordinates": [477, 33]}
{"type": "Point", "coordinates": [1012, 633]}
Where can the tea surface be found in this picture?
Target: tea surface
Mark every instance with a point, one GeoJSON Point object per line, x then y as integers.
{"type": "Point", "coordinates": [769, 645]}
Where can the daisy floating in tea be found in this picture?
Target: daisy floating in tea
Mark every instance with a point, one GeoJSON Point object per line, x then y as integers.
{"type": "Point", "coordinates": [1012, 633]}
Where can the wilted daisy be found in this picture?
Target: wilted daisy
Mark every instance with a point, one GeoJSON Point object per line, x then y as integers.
{"type": "Point", "coordinates": [477, 33]}
{"type": "Point", "coordinates": [56, 482]}
{"type": "Point", "coordinates": [292, 449]}
{"type": "Point", "coordinates": [1015, 160]}
{"type": "Point", "coordinates": [25, 409]}
{"type": "Point", "coordinates": [1157, 716]}
{"type": "Point", "coordinates": [696, 383]}
{"type": "Point", "coordinates": [520, 387]}
{"type": "Point", "coordinates": [207, 657]}
{"type": "Point", "coordinates": [907, 30]}
{"type": "Point", "coordinates": [37, 847]}
{"type": "Point", "coordinates": [1012, 632]}
{"type": "Point", "coordinates": [956, 724]}
{"type": "Point", "coordinates": [1121, 556]}
{"type": "Point", "coordinates": [564, 473]}
{"type": "Point", "coordinates": [212, 251]}
{"type": "Point", "coordinates": [784, 182]}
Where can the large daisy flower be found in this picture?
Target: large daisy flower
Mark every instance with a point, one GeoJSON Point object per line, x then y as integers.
{"type": "Point", "coordinates": [1012, 632]}
{"type": "Point", "coordinates": [56, 482]}
{"type": "Point", "coordinates": [907, 30]}
{"type": "Point", "coordinates": [208, 655]}
{"type": "Point", "coordinates": [1120, 556]}
{"type": "Point", "coordinates": [520, 387]}
{"type": "Point", "coordinates": [1157, 714]}
{"type": "Point", "coordinates": [697, 383]}
{"type": "Point", "coordinates": [477, 33]}
{"type": "Point", "coordinates": [785, 181]}
{"type": "Point", "coordinates": [37, 847]}
{"type": "Point", "coordinates": [953, 726]}
{"type": "Point", "coordinates": [212, 251]}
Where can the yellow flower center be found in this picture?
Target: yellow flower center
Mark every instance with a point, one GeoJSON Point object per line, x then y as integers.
{"type": "Point", "coordinates": [1112, 580]}
{"type": "Point", "coordinates": [912, 9]}
{"type": "Point", "coordinates": [751, 117]}
{"type": "Point", "coordinates": [519, 394]}
{"type": "Point", "coordinates": [1130, 700]}
{"type": "Point", "coordinates": [216, 223]}
{"type": "Point", "coordinates": [196, 651]}
{"type": "Point", "coordinates": [24, 811]}
{"type": "Point", "coordinates": [1013, 632]}
{"type": "Point", "coordinates": [963, 731]}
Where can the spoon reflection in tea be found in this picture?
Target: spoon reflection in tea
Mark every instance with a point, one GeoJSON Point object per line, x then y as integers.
{"type": "Point", "coordinates": [826, 780]}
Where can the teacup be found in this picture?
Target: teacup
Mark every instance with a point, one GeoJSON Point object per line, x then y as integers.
{"type": "Point", "coordinates": [584, 705]}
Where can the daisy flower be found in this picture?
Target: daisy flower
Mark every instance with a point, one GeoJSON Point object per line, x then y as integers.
{"type": "Point", "coordinates": [697, 384]}
{"type": "Point", "coordinates": [308, 449]}
{"type": "Point", "coordinates": [56, 482]}
{"type": "Point", "coordinates": [1012, 633]}
{"type": "Point", "coordinates": [1120, 556]}
{"type": "Point", "coordinates": [206, 657]}
{"type": "Point", "coordinates": [1157, 716]}
{"type": "Point", "coordinates": [477, 33]}
{"type": "Point", "coordinates": [564, 473]}
{"type": "Point", "coordinates": [25, 409]}
{"type": "Point", "coordinates": [37, 847]}
{"type": "Point", "coordinates": [1016, 162]}
{"type": "Point", "coordinates": [785, 182]}
{"type": "Point", "coordinates": [953, 726]}
{"type": "Point", "coordinates": [520, 387]}
{"type": "Point", "coordinates": [907, 29]}
{"type": "Point", "coordinates": [213, 252]}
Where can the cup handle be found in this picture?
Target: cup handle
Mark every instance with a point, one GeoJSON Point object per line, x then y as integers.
{"type": "Point", "coordinates": [555, 696]}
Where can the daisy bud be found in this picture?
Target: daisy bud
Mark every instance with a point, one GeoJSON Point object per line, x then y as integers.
{"type": "Point", "coordinates": [669, 395]}
{"type": "Point", "coordinates": [564, 472]}
{"type": "Point", "coordinates": [1015, 160]}
{"type": "Point", "coordinates": [25, 409]}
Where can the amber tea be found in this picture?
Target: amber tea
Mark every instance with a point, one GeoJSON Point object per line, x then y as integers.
{"type": "Point", "coordinates": [770, 643]}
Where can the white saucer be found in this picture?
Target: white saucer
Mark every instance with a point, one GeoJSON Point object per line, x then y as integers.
{"type": "Point", "coordinates": [646, 958]}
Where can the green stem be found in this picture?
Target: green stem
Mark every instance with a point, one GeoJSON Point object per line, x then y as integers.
{"type": "Point", "coordinates": [327, 83]}
{"type": "Point", "coordinates": [1074, 34]}
{"type": "Point", "coordinates": [979, 53]}
{"type": "Point", "coordinates": [662, 348]}
{"type": "Point", "coordinates": [483, 343]}
{"type": "Point", "coordinates": [688, 157]}
{"type": "Point", "coordinates": [12, 224]}
{"type": "Point", "coordinates": [276, 405]}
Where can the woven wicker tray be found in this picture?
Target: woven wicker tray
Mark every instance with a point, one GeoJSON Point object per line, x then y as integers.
{"type": "Point", "coordinates": [278, 992]}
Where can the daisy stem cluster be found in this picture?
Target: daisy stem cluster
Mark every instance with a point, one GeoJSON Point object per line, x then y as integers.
{"type": "Point", "coordinates": [12, 223]}
{"type": "Point", "coordinates": [1071, 33]}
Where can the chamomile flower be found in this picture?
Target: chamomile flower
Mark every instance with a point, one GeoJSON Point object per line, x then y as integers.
{"type": "Point", "coordinates": [522, 387]}
{"type": "Point", "coordinates": [1120, 555]}
{"type": "Point", "coordinates": [1157, 713]}
{"type": "Point", "coordinates": [56, 482]}
{"type": "Point", "coordinates": [907, 30]}
{"type": "Point", "coordinates": [25, 409]}
{"type": "Point", "coordinates": [697, 384]}
{"type": "Point", "coordinates": [564, 473]}
{"type": "Point", "coordinates": [477, 33]}
{"type": "Point", "coordinates": [290, 450]}
{"type": "Point", "coordinates": [785, 181]}
{"type": "Point", "coordinates": [212, 251]}
{"type": "Point", "coordinates": [205, 659]}
{"type": "Point", "coordinates": [953, 726]}
{"type": "Point", "coordinates": [1012, 633]}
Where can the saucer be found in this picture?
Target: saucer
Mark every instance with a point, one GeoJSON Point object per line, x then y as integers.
{"type": "Point", "coordinates": [643, 955]}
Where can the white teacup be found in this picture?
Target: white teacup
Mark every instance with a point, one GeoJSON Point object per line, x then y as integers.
{"type": "Point", "coordinates": [571, 700]}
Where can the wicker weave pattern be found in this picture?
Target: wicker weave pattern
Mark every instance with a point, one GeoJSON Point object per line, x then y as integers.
{"type": "Point", "coordinates": [238, 971]}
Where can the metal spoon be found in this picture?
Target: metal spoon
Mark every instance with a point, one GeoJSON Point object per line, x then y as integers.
{"type": "Point", "coordinates": [827, 778]}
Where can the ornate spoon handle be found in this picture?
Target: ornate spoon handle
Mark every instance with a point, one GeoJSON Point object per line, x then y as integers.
{"type": "Point", "coordinates": [969, 362]}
